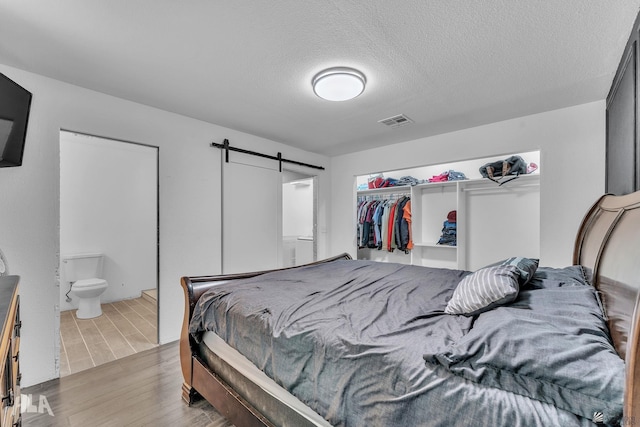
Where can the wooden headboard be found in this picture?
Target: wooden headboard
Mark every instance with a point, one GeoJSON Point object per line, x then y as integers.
{"type": "Point", "coordinates": [608, 245]}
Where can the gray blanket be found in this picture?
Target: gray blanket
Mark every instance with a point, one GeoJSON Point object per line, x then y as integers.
{"type": "Point", "coordinates": [350, 339]}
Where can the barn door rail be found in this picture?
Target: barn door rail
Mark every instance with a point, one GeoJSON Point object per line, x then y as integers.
{"type": "Point", "coordinates": [226, 147]}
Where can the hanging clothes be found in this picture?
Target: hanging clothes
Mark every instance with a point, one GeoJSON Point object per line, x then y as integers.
{"type": "Point", "coordinates": [391, 237]}
{"type": "Point", "coordinates": [407, 217]}
{"type": "Point", "coordinates": [376, 219]}
{"type": "Point", "coordinates": [384, 224]}
{"type": "Point", "coordinates": [401, 226]}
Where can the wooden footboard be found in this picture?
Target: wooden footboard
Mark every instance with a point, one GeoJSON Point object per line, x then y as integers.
{"type": "Point", "coordinates": [199, 379]}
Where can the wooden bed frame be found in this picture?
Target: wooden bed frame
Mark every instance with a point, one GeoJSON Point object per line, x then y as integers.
{"type": "Point", "coordinates": [607, 245]}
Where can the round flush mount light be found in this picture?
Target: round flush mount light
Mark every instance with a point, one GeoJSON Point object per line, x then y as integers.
{"type": "Point", "coordinates": [338, 84]}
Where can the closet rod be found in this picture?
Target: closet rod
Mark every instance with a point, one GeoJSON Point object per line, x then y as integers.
{"type": "Point", "coordinates": [225, 146]}
{"type": "Point", "coordinates": [496, 189]}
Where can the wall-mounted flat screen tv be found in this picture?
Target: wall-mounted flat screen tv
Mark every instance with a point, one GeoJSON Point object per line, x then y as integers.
{"type": "Point", "coordinates": [15, 103]}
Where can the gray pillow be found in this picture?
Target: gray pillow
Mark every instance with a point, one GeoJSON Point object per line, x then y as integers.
{"type": "Point", "coordinates": [526, 267]}
{"type": "Point", "coordinates": [484, 290]}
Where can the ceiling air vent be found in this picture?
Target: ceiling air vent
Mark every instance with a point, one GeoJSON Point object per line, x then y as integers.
{"type": "Point", "coordinates": [396, 121]}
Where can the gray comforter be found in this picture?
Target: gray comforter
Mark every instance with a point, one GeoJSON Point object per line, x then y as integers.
{"type": "Point", "coordinates": [368, 344]}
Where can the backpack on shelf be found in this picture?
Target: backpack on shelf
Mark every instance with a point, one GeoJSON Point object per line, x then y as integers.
{"type": "Point", "coordinates": [514, 166]}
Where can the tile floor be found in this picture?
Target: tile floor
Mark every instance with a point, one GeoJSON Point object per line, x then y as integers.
{"type": "Point", "coordinates": [125, 327]}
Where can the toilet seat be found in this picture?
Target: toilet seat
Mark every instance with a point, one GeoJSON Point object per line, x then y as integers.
{"type": "Point", "coordinates": [89, 284]}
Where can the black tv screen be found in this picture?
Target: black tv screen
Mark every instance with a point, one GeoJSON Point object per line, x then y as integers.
{"type": "Point", "coordinates": [15, 103]}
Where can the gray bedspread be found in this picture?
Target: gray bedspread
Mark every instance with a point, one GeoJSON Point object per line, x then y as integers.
{"type": "Point", "coordinates": [368, 344]}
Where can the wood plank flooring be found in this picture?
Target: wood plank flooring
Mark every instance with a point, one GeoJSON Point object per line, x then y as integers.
{"type": "Point", "coordinates": [139, 390]}
{"type": "Point", "coordinates": [125, 327]}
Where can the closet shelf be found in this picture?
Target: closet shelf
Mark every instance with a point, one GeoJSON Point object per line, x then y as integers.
{"type": "Point", "coordinates": [403, 189]}
{"type": "Point", "coordinates": [532, 179]}
{"type": "Point", "coordinates": [433, 245]}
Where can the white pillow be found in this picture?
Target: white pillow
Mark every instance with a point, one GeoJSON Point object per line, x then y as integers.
{"type": "Point", "coordinates": [484, 290]}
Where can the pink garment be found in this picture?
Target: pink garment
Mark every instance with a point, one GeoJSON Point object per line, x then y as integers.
{"type": "Point", "coordinates": [444, 176]}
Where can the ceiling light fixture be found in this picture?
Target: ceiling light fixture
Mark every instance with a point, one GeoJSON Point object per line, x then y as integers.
{"type": "Point", "coordinates": [338, 84]}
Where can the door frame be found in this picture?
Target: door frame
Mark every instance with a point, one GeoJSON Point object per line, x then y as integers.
{"type": "Point", "coordinates": [157, 179]}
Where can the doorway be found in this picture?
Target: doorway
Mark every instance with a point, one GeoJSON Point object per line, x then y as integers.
{"type": "Point", "coordinates": [299, 222]}
{"type": "Point", "coordinates": [109, 206]}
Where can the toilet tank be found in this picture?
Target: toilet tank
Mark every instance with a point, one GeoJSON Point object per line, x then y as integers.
{"type": "Point", "coordinates": [82, 266]}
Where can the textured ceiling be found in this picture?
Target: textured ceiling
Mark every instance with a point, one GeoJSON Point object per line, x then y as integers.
{"type": "Point", "coordinates": [248, 65]}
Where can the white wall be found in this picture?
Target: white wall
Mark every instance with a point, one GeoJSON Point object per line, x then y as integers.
{"type": "Point", "coordinates": [572, 151]}
{"type": "Point", "coordinates": [108, 205]}
{"type": "Point", "coordinates": [189, 202]}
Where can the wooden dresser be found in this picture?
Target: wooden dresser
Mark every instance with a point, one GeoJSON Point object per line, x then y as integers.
{"type": "Point", "coordinates": [10, 351]}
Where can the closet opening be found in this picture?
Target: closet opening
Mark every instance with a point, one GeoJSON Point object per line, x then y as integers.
{"type": "Point", "coordinates": [450, 215]}
{"type": "Point", "coordinates": [299, 218]}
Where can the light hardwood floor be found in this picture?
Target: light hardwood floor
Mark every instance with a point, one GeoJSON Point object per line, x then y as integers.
{"type": "Point", "coordinates": [125, 327]}
{"type": "Point", "coordinates": [139, 390]}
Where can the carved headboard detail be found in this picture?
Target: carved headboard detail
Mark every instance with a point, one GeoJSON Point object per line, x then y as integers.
{"type": "Point", "coordinates": [608, 245]}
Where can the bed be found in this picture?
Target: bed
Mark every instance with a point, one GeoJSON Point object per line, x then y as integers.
{"type": "Point", "coordinates": [347, 342]}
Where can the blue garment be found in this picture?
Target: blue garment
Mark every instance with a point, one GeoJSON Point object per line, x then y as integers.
{"type": "Point", "coordinates": [456, 176]}
{"type": "Point", "coordinates": [377, 223]}
{"type": "Point", "coordinates": [409, 180]}
{"type": "Point", "coordinates": [401, 230]}
{"type": "Point", "coordinates": [449, 235]}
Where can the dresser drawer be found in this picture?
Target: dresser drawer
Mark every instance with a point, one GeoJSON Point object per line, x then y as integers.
{"type": "Point", "coordinates": [10, 355]}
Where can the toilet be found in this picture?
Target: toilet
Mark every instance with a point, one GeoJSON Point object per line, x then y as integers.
{"type": "Point", "coordinates": [83, 272]}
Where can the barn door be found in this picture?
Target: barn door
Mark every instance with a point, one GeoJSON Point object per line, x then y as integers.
{"type": "Point", "coordinates": [623, 121]}
{"type": "Point", "coordinates": [251, 214]}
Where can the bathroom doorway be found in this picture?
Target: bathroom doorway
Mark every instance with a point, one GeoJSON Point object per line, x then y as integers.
{"type": "Point", "coordinates": [299, 218]}
{"type": "Point", "coordinates": [109, 205]}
